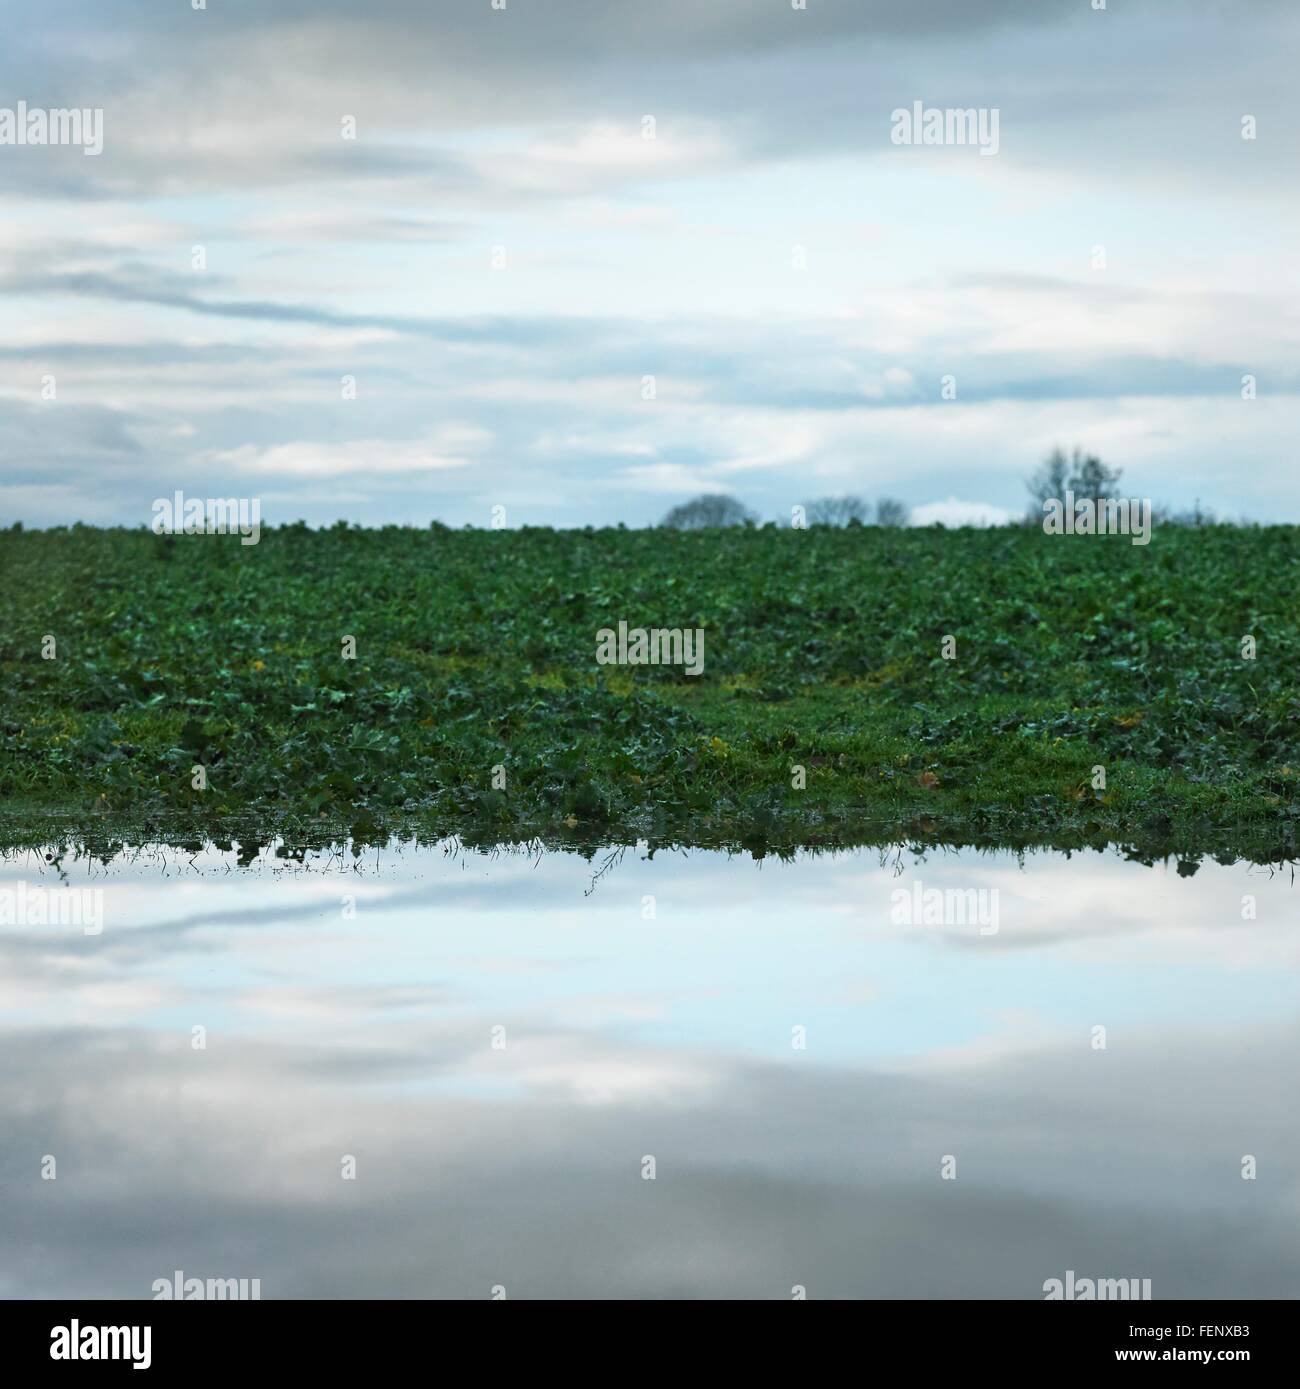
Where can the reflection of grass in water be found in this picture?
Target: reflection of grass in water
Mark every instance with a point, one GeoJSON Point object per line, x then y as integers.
{"type": "Point", "coordinates": [86, 859]}
{"type": "Point", "coordinates": [823, 651]}
{"type": "Point", "coordinates": [63, 839]}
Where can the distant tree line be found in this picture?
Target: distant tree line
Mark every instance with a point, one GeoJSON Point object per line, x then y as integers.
{"type": "Point", "coordinates": [718, 509]}
{"type": "Point", "coordinates": [1082, 474]}
{"type": "Point", "coordinates": [709, 509]}
{"type": "Point", "coordinates": [853, 511]}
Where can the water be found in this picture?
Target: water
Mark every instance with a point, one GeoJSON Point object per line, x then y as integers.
{"type": "Point", "coordinates": [501, 1043]}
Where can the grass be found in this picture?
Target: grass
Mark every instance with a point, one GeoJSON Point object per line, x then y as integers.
{"type": "Point", "coordinates": [824, 649]}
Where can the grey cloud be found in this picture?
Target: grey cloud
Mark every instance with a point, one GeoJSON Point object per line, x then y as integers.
{"type": "Point", "coordinates": [783, 81]}
{"type": "Point", "coordinates": [828, 1179]}
{"type": "Point", "coordinates": [44, 441]}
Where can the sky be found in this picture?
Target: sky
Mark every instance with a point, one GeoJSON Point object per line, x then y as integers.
{"type": "Point", "coordinates": [581, 260]}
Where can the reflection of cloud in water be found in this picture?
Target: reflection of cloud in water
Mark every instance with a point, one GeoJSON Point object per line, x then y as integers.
{"type": "Point", "coordinates": [669, 1037]}
{"type": "Point", "coordinates": [228, 1162]}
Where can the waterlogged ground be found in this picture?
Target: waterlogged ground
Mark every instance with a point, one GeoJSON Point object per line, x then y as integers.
{"type": "Point", "coordinates": [505, 1047]}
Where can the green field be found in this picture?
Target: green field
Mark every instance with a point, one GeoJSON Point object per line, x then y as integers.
{"type": "Point", "coordinates": [823, 650]}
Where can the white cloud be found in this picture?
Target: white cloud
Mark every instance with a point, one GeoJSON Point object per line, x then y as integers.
{"type": "Point", "coordinates": [306, 459]}
{"type": "Point", "coordinates": [958, 513]}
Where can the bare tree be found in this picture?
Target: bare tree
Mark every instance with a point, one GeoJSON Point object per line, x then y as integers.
{"type": "Point", "coordinates": [891, 512]}
{"type": "Point", "coordinates": [837, 511]}
{"type": "Point", "coordinates": [1093, 479]}
{"type": "Point", "coordinates": [1051, 480]}
{"type": "Point", "coordinates": [1083, 474]}
{"type": "Point", "coordinates": [709, 509]}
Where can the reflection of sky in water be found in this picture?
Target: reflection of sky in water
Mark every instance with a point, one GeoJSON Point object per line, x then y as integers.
{"type": "Point", "coordinates": [671, 1036]}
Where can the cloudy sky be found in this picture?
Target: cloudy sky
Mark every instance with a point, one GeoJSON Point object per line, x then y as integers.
{"type": "Point", "coordinates": [500, 258]}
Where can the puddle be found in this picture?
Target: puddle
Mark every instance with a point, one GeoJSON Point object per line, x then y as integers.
{"type": "Point", "coordinates": [866, 1074]}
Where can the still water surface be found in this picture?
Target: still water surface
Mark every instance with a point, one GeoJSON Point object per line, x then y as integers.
{"type": "Point", "coordinates": [502, 1043]}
